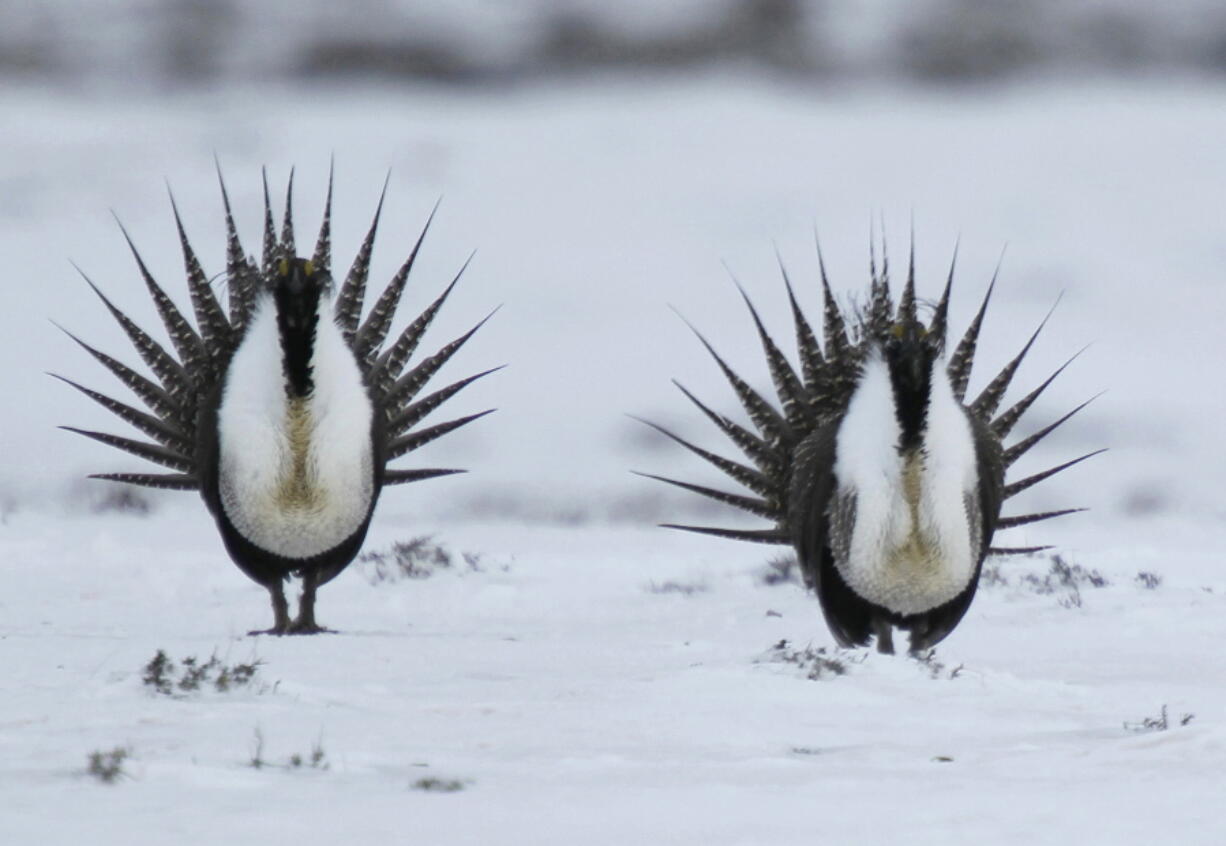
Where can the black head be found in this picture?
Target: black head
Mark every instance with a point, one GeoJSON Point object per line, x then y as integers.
{"type": "Point", "coordinates": [909, 352]}
{"type": "Point", "coordinates": [297, 289]}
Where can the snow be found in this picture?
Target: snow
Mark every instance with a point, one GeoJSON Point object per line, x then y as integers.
{"type": "Point", "coordinates": [578, 705]}
{"type": "Point", "coordinates": [576, 696]}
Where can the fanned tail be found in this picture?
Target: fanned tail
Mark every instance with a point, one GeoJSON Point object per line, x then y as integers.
{"type": "Point", "coordinates": [816, 394]}
{"type": "Point", "coordinates": [190, 368]}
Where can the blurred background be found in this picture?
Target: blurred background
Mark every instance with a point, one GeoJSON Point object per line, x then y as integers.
{"type": "Point", "coordinates": [607, 160]}
{"type": "Point", "coordinates": [161, 45]}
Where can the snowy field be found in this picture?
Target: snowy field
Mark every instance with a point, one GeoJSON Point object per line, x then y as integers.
{"type": "Point", "coordinates": [593, 679]}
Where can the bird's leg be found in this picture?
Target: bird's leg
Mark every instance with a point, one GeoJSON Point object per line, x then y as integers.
{"type": "Point", "coordinates": [305, 622]}
{"type": "Point", "coordinates": [280, 610]}
{"type": "Point", "coordinates": [919, 636]}
{"type": "Point", "coordinates": [885, 635]}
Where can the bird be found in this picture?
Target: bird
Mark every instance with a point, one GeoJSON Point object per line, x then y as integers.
{"type": "Point", "coordinates": [285, 409]}
{"type": "Point", "coordinates": [872, 463]}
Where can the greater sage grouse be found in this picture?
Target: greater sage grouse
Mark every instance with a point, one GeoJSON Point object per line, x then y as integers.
{"type": "Point", "coordinates": [285, 408]}
{"type": "Point", "coordinates": [873, 465]}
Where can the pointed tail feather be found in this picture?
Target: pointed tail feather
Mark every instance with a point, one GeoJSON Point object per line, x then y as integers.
{"type": "Point", "coordinates": [1017, 487]}
{"type": "Point", "coordinates": [963, 358]}
{"type": "Point", "coordinates": [906, 305]}
{"type": "Point", "coordinates": [183, 336]}
{"type": "Point", "coordinates": [1017, 550]}
{"type": "Point", "coordinates": [880, 309]}
{"type": "Point", "coordinates": [171, 374]}
{"type": "Point", "coordinates": [269, 256]}
{"type": "Point", "coordinates": [415, 440]}
{"type": "Point", "coordinates": [167, 481]}
{"type": "Point", "coordinates": [747, 476]}
{"type": "Point", "coordinates": [1013, 453]}
{"type": "Point", "coordinates": [811, 360]}
{"type": "Point", "coordinates": [765, 418]}
{"type": "Point", "coordinates": [155, 398]}
{"type": "Point", "coordinates": [391, 361]}
{"type": "Point", "coordinates": [166, 433]}
{"type": "Point", "coordinates": [149, 452]}
{"type": "Point", "coordinates": [353, 292]}
{"type": "Point", "coordinates": [791, 392]}
{"type": "Point", "coordinates": [242, 279]}
{"type": "Point", "coordinates": [406, 387]}
{"type": "Point", "coordinates": [755, 449]}
{"type": "Point", "coordinates": [939, 326]}
{"type": "Point", "coordinates": [753, 536]}
{"type": "Point", "coordinates": [413, 414]}
{"type": "Point", "coordinates": [838, 348]}
{"type": "Point", "coordinates": [322, 257]}
{"type": "Point", "coordinates": [1025, 519]}
{"type": "Point", "coordinates": [760, 507]}
{"type": "Point", "coordinates": [287, 222]}
{"type": "Point", "coordinates": [373, 331]}
{"type": "Point", "coordinates": [1003, 425]}
{"type": "Point", "coordinates": [988, 401]}
{"type": "Point", "coordinates": [403, 477]}
{"type": "Point", "coordinates": [214, 327]}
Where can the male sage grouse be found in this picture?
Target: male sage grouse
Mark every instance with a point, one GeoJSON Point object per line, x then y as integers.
{"type": "Point", "coordinates": [285, 408]}
{"type": "Point", "coordinates": [873, 465]}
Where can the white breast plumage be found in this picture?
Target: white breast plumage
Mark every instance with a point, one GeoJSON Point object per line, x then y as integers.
{"type": "Point", "coordinates": [296, 476]}
{"type": "Point", "coordinates": [910, 547]}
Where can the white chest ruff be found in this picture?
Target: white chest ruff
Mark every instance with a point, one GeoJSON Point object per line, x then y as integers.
{"type": "Point", "coordinates": [910, 547]}
{"type": "Point", "coordinates": [295, 477]}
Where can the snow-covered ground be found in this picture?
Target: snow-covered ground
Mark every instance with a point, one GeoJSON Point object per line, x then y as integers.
{"type": "Point", "coordinates": [598, 680]}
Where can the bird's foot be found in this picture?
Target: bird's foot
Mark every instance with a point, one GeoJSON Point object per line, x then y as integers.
{"type": "Point", "coordinates": [307, 627]}
{"type": "Point", "coordinates": [275, 630]}
{"type": "Point", "coordinates": [298, 627]}
{"type": "Point", "coordinates": [280, 612]}
{"type": "Point", "coordinates": [885, 636]}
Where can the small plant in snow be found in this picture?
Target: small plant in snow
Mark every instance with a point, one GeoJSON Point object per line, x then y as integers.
{"type": "Point", "coordinates": [816, 663]}
{"type": "Point", "coordinates": [935, 667]}
{"type": "Point", "coordinates": [780, 570]}
{"type": "Point", "coordinates": [1066, 578]}
{"type": "Point", "coordinates": [121, 499]}
{"type": "Point", "coordinates": [190, 674]}
{"type": "Point", "coordinates": [257, 761]}
{"type": "Point", "coordinates": [1062, 579]}
{"type": "Point", "coordinates": [991, 576]}
{"type": "Point", "coordinates": [438, 785]}
{"type": "Point", "coordinates": [683, 588]}
{"type": "Point", "coordinates": [1148, 581]}
{"type": "Point", "coordinates": [1158, 723]}
{"type": "Point", "coordinates": [317, 760]}
{"type": "Point", "coordinates": [416, 558]}
{"type": "Point", "coordinates": [107, 767]}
